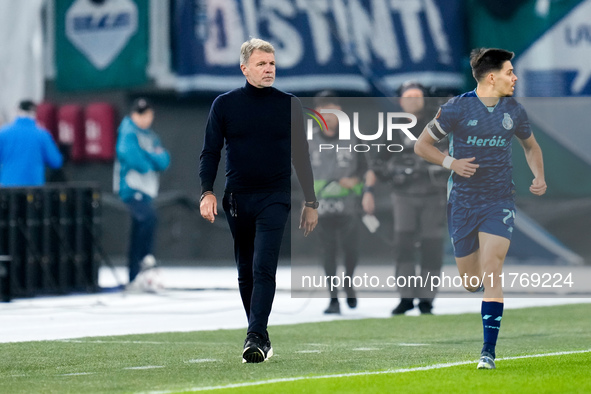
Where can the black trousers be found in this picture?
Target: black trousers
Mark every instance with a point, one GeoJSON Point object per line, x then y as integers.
{"type": "Point", "coordinates": [338, 232]}
{"type": "Point", "coordinates": [257, 222]}
{"type": "Point", "coordinates": [418, 220]}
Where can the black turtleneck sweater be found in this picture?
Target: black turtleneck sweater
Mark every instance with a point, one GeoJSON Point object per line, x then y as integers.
{"type": "Point", "coordinates": [262, 139]}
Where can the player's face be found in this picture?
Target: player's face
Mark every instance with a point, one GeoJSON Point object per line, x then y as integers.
{"type": "Point", "coordinates": [505, 80]}
{"type": "Point", "coordinates": [260, 70]}
{"type": "Point", "coordinates": [331, 119]}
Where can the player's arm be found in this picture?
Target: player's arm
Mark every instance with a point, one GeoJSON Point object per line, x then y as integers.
{"type": "Point", "coordinates": [425, 148]}
{"type": "Point", "coordinates": [533, 155]}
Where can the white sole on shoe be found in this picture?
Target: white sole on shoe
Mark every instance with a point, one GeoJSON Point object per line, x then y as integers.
{"type": "Point", "coordinates": [253, 355]}
{"type": "Point", "coordinates": [486, 362]}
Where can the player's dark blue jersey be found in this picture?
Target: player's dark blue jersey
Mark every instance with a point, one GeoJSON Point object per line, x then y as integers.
{"type": "Point", "coordinates": [475, 130]}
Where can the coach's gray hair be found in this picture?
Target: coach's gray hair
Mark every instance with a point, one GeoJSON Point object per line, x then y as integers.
{"type": "Point", "coordinates": [249, 47]}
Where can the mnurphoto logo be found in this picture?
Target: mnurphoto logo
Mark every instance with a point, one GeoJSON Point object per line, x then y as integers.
{"type": "Point", "coordinates": [394, 122]}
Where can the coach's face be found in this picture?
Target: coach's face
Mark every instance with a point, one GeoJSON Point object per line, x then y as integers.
{"type": "Point", "coordinates": [260, 70]}
{"type": "Point", "coordinates": [505, 80]}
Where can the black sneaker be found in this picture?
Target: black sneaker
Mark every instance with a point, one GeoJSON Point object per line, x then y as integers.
{"type": "Point", "coordinates": [406, 304]}
{"type": "Point", "coordinates": [333, 307]}
{"type": "Point", "coordinates": [351, 298]}
{"type": "Point", "coordinates": [425, 307]}
{"type": "Point", "coordinates": [267, 348]}
{"type": "Point", "coordinates": [256, 348]}
{"type": "Point", "coordinates": [352, 302]}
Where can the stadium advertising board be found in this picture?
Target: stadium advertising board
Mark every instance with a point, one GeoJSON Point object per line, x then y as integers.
{"type": "Point", "coordinates": [357, 45]}
{"type": "Point", "coordinates": [100, 45]}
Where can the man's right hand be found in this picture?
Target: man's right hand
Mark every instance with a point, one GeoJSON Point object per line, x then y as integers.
{"type": "Point", "coordinates": [464, 167]}
{"type": "Point", "coordinates": [209, 207]}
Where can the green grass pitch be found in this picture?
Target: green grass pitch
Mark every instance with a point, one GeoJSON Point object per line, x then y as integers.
{"type": "Point", "coordinates": [413, 354]}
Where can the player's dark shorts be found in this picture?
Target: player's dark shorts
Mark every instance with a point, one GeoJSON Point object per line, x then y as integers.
{"type": "Point", "coordinates": [464, 224]}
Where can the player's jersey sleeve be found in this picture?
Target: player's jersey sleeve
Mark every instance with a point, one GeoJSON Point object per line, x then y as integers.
{"type": "Point", "coordinates": [444, 122]}
{"type": "Point", "coordinates": [523, 128]}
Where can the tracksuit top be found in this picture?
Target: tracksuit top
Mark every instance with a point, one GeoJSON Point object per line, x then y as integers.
{"type": "Point", "coordinates": [140, 159]}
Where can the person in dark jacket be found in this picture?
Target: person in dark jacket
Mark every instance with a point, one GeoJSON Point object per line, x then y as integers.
{"type": "Point", "coordinates": [262, 130]}
{"type": "Point", "coordinates": [418, 201]}
{"type": "Point", "coordinates": [338, 184]}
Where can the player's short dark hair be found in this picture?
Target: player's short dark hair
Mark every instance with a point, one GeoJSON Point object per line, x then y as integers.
{"type": "Point", "coordinates": [326, 97]}
{"type": "Point", "coordinates": [27, 106]}
{"type": "Point", "coordinates": [486, 60]}
{"type": "Point", "coordinates": [140, 105]}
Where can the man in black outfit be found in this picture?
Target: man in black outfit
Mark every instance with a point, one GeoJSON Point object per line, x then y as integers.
{"type": "Point", "coordinates": [263, 131]}
{"type": "Point", "coordinates": [418, 201]}
{"type": "Point", "coordinates": [338, 176]}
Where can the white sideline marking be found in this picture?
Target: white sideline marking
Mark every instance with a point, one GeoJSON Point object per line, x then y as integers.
{"type": "Point", "coordinates": [146, 367]}
{"type": "Point", "coordinates": [365, 349]}
{"type": "Point", "coordinates": [126, 342]}
{"type": "Point", "coordinates": [413, 344]}
{"type": "Point", "coordinates": [309, 351]}
{"type": "Point", "coordinates": [346, 375]}
{"type": "Point", "coordinates": [202, 360]}
{"type": "Point", "coordinates": [77, 374]}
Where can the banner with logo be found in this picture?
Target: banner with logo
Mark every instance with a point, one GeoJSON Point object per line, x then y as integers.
{"type": "Point", "coordinates": [552, 45]}
{"type": "Point", "coordinates": [551, 41]}
{"type": "Point", "coordinates": [101, 44]}
{"type": "Point", "coordinates": [355, 45]}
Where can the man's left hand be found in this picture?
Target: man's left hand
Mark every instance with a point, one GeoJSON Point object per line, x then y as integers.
{"type": "Point", "coordinates": [308, 220]}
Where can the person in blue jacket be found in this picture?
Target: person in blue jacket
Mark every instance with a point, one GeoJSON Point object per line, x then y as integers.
{"type": "Point", "coordinates": [25, 149]}
{"type": "Point", "coordinates": [140, 159]}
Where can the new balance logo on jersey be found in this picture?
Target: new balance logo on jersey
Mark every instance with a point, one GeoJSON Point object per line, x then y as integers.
{"type": "Point", "coordinates": [472, 122]}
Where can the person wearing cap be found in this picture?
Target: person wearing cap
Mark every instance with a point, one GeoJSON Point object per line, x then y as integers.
{"type": "Point", "coordinates": [418, 201]}
{"type": "Point", "coordinates": [25, 150]}
{"type": "Point", "coordinates": [140, 160]}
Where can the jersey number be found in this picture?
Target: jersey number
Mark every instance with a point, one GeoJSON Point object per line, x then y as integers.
{"type": "Point", "coordinates": [510, 214]}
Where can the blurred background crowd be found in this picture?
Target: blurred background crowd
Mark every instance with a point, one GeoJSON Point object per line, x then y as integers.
{"type": "Point", "coordinates": [86, 61]}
